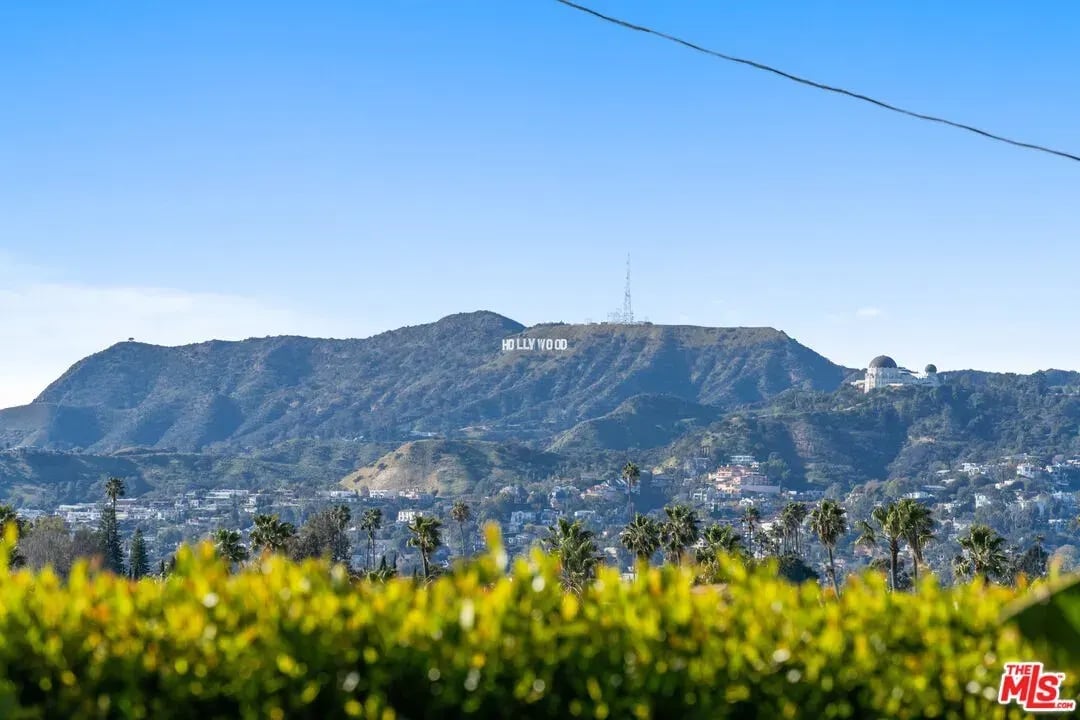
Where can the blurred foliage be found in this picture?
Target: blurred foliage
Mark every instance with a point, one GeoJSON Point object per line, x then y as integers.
{"type": "Point", "coordinates": [1050, 618]}
{"type": "Point", "coordinates": [287, 640]}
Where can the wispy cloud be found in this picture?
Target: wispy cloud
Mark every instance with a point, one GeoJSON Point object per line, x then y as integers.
{"type": "Point", "coordinates": [46, 326]}
{"type": "Point", "coordinates": [868, 312]}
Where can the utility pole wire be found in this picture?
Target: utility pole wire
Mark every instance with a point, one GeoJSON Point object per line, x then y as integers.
{"type": "Point", "coordinates": [819, 86]}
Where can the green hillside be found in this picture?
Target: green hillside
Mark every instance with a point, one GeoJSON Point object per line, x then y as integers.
{"type": "Point", "coordinates": [441, 377]}
{"type": "Point", "coordinates": [643, 421]}
{"type": "Point", "coordinates": [847, 437]}
{"type": "Point", "coordinates": [288, 410]}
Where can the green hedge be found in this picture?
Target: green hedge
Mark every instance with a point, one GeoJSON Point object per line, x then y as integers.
{"type": "Point", "coordinates": [283, 640]}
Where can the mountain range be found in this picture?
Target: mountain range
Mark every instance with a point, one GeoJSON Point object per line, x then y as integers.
{"type": "Point", "coordinates": [442, 377]}
{"type": "Point", "coordinates": [478, 396]}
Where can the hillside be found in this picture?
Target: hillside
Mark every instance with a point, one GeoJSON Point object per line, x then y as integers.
{"type": "Point", "coordinates": [451, 467]}
{"type": "Point", "coordinates": [643, 421]}
{"type": "Point", "coordinates": [847, 437]}
{"type": "Point", "coordinates": [440, 377]}
{"type": "Point", "coordinates": [290, 410]}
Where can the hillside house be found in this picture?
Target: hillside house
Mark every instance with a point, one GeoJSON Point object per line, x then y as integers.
{"type": "Point", "coordinates": [405, 517]}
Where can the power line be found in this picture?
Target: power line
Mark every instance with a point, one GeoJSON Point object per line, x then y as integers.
{"type": "Point", "coordinates": [819, 86]}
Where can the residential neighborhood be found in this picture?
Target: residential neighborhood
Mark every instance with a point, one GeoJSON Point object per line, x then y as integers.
{"type": "Point", "coordinates": [1020, 496]}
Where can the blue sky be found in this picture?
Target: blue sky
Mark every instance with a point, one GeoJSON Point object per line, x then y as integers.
{"type": "Point", "coordinates": [205, 169]}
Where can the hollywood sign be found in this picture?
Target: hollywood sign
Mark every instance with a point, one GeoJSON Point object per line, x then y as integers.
{"type": "Point", "coordinates": [528, 343]}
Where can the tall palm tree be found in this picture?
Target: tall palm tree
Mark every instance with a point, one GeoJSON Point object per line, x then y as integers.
{"type": "Point", "coordinates": [271, 534]}
{"type": "Point", "coordinates": [890, 529]}
{"type": "Point", "coordinates": [751, 517]}
{"type": "Point", "coordinates": [829, 522]}
{"type": "Point", "coordinates": [772, 541]}
{"type": "Point", "coordinates": [577, 551]}
{"type": "Point", "coordinates": [917, 522]}
{"type": "Point", "coordinates": [371, 523]}
{"type": "Point", "coordinates": [114, 490]}
{"type": "Point", "coordinates": [229, 547]}
{"type": "Point", "coordinates": [791, 520]}
{"type": "Point", "coordinates": [680, 531]}
{"type": "Point", "coordinates": [983, 553]}
{"type": "Point", "coordinates": [461, 513]}
{"type": "Point", "coordinates": [110, 528]}
{"type": "Point", "coordinates": [641, 536]}
{"type": "Point", "coordinates": [427, 538]}
{"type": "Point", "coordinates": [631, 473]}
{"type": "Point", "coordinates": [342, 515]}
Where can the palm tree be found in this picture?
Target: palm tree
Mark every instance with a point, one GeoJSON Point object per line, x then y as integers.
{"type": "Point", "coordinates": [983, 553]}
{"type": "Point", "coordinates": [891, 529]}
{"type": "Point", "coordinates": [751, 517]}
{"type": "Point", "coordinates": [631, 473]}
{"type": "Point", "coordinates": [114, 490]}
{"type": "Point", "coordinates": [721, 538]}
{"type": "Point", "coordinates": [772, 541]}
{"type": "Point", "coordinates": [461, 513]}
{"type": "Point", "coordinates": [680, 531]}
{"type": "Point", "coordinates": [918, 527]}
{"type": "Point", "coordinates": [426, 538]}
{"type": "Point", "coordinates": [641, 536]}
{"type": "Point", "coordinates": [110, 528]}
{"type": "Point", "coordinates": [342, 515]}
{"type": "Point", "coordinates": [718, 540]}
{"type": "Point", "coordinates": [829, 523]}
{"type": "Point", "coordinates": [791, 520]}
{"type": "Point", "coordinates": [960, 567]}
{"type": "Point", "coordinates": [371, 523]}
{"type": "Point", "coordinates": [577, 551]}
{"type": "Point", "coordinates": [271, 534]}
{"type": "Point", "coordinates": [228, 546]}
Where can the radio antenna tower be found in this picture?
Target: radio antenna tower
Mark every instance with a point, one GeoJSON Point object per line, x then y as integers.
{"type": "Point", "coordinates": [627, 309]}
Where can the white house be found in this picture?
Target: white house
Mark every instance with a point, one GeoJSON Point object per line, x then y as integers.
{"type": "Point", "coordinates": [407, 516]}
{"type": "Point", "coordinates": [1027, 470]}
{"type": "Point", "coordinates": [520, 517]}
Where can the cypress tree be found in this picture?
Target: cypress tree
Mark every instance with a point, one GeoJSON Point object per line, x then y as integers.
{"type": "Point", "coordinates": [139, 563]}
{"type": "Point", "coordinates": [110, 540]}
